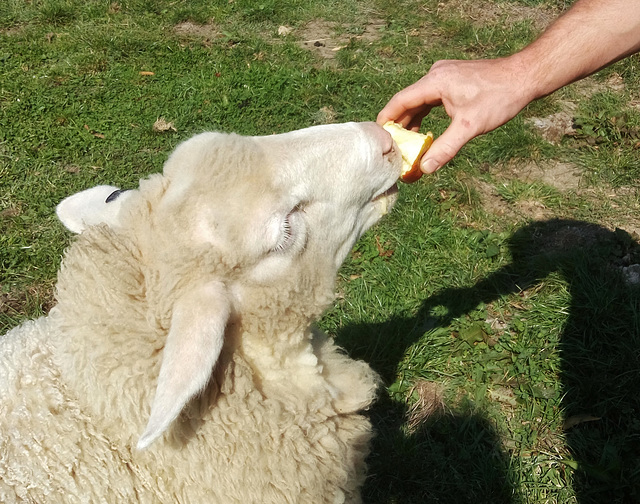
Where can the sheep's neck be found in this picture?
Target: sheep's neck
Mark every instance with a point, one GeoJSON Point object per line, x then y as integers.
{"type": "Point", "coordinates": [275, 333]}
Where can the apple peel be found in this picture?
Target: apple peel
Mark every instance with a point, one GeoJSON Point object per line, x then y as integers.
{"type": "Point", "coordinates": [412, 146]}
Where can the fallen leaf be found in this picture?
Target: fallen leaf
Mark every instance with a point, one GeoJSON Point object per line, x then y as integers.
{"type": "Point", "coordinates": [492, 250]}
{"type": "Point", "coordinates": [382, 251]}
{"type": "Point", "coordinates": [283, 31]}
{"type": "Point", "coordinates": [94, 133]}
{"type": "Point", "coordinates": [161, 125]}
{"type": "Point", "coordinates": [146, 73]}
{"type": "Point", "coordinates": [473, 334]}
{"type": "Point", "coordinates": [503, 395]}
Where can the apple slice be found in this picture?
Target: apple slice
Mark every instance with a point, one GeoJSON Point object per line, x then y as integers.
{"type": "Point", "coordinates": [412, 146]}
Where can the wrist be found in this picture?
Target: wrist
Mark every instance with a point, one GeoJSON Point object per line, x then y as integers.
{"type": "Point", "coordinates": [523, 78]}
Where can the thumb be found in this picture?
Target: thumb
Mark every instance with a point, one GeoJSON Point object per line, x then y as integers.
{"type": "Point", "coordinates": [444, 148]}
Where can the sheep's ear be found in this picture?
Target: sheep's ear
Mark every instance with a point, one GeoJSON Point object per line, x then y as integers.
{"type": "Point", "coordinates": [100, 204]}
{"type": "Point", "coordinates": [192, 348]}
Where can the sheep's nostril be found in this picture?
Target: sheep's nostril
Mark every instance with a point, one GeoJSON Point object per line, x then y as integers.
{"type": "Point", "coordinates": [386, 142]}
{"type": "Point", "coordinates": [382, 136]}
{"type": "Point", "coordinates": [387, 147]}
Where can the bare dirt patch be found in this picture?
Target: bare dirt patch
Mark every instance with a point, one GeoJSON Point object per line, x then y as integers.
{"type": "Point", "coordinates": [10, 212]}
{"type": "Point", "coordinates": [205, 32]}
{"type": "Point", "coordinates": [494, 204]}
{"type": "Point", "coordinates": [566, 236]}
{"type": "Point", "coordinates": [325, 115]}
{"type": "Point", "coordinates": [326, 38]}
{"type": "Point", "coordinates": [589, 86]}
{"type": "Point", "coordinates": [561, 176]}
{"type": "Point", "coordinates": [13, 31]}
{"type": "Point", "coordinates": [560, 124]}
{"type": "Point", "coordinates": [620, 206]}
{"type": "Point", "coordinates": [553, 128]}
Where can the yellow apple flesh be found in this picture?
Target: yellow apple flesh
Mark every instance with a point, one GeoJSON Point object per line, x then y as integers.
{"type": "Point", "coordinates": [412, 146]}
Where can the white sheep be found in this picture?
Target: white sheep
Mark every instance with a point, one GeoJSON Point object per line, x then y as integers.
{"type": "Point", "coordinates": [180, 364]}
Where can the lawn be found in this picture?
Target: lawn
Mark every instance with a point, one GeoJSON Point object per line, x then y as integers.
{"type": "Point", "coordinates": [499, 301]}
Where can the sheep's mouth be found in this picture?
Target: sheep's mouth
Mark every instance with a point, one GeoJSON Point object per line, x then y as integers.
{"type": "Point", "coordinates": [386, 199]}
{"type": "Point", "coordinates": [392, 191]}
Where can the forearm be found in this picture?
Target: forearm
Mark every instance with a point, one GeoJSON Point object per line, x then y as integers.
{"type": "Point", "coordinates": [591, 35]}
{"type": "Point", "coordinates": [481, 95]}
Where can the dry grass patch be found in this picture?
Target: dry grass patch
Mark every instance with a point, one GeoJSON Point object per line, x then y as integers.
{"type": "Point", "coordinates": [488, 13]}
{"type": "Point", "coordinates": [429, 403]}
{"type": "Point", "coordinates": [16, 302]}
{"type": "Point", "coordinates": [12, 31]}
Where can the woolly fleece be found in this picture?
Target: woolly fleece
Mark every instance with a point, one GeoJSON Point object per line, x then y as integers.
{"type": "Point", "coordinates": [184, 327]}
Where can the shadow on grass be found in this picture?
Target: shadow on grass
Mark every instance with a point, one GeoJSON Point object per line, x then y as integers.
{"type": "Point", "coordinates": [449, 459]}
{"type": "Point", "coordinates": [458, 458]}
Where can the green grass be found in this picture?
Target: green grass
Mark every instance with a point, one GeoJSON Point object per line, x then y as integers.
{"type": "Point", "coordinates": [520, 325]}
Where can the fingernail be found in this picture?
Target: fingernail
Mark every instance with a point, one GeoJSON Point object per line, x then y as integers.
{"type": "Point", "coordinates": [429, 165]}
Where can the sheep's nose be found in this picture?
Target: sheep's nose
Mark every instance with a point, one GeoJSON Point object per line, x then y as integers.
{"type": "Point", "coordinates": [381, 135]}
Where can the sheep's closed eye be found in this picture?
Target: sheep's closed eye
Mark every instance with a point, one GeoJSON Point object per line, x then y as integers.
{"type": "Point", "coordinates": [291, 230]}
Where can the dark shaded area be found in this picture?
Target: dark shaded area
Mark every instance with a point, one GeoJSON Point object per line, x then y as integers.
{"type": "Point", "coordinates": [450, 458]}
{"type": "Point", "coordinates": [457, 458]}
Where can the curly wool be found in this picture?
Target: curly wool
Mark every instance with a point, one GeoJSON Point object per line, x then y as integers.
{"type": "Point", "coordinates": [78, 405]}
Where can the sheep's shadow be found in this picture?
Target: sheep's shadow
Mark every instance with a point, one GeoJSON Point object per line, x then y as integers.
{"type": "Point", "coordinates": [600, 373]}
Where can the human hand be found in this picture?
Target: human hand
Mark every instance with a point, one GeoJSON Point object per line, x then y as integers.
{"type": "Point", "coordinates": [478, 96]}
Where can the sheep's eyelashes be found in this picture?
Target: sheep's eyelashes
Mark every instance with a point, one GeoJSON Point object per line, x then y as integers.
{"type": "Point", "coordinates": [289, 225]}
{"type": "Point", "coordinates": [285, 236]}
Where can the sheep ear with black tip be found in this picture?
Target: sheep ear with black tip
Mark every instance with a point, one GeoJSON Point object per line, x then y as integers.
{"type": "Point", "coordinates": [100, 204]}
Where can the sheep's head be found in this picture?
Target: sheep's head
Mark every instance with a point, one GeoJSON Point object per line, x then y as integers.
{"type": "Point", "coordinates": [276, 200]}
{"type": "Point", "coordinates": [281, 210]}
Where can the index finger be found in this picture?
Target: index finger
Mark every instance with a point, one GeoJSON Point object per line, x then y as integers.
{"type": "Point", "coordinates": [410, 105]}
